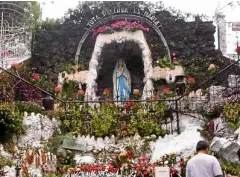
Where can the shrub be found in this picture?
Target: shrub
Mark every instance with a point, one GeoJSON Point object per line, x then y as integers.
{"type": "Point", "coordinates": [11, 122]}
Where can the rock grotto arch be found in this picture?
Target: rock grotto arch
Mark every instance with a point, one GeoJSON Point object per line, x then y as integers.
{"type": "Point", "coordinates": [95, 63]}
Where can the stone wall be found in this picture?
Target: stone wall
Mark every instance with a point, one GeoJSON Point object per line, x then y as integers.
{"type": "Point", "coordinates": [55, 45]}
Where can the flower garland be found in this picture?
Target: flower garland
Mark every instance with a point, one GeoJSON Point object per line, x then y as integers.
{"type": "Point", "coordinates": [119, 26]}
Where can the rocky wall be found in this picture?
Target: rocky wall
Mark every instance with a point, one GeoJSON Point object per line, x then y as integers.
{"type": "Point", "coordinates": [55, 45]}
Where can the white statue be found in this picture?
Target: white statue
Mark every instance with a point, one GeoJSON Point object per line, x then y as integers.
{"type": "Point", "coordinates": [121, 82]}
{"type": "Point", "coordinates": [237, 132]}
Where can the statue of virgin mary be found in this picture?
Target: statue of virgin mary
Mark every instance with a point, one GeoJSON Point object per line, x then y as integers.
{"type": "Point", "coordinates": [121, 82]}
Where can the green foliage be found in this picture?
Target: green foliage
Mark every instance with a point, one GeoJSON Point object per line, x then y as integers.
{"type": "Point", "coordinates": [52, 175]}
{"type": "Point", "coordinates": [231, 168]}
{"type": "Point", "coordinates": [69, 90]}
{"type": "Point", "coordinates": [49, 23]}
{"type": "Point", "coordinates": [111, 119]}
{"type": "Point", "coordinates": [104, 122]}
{"type": "Point", "coordinates": [28, 107]}
{"type": "Point", "coordinates": [9, 146]}
{"type": "Point", "coordinates": [72, 120]}
{"type": "Point", "coordinates": [231, 112]}
{"type": "Point", "coordinates": [145, 127]}
{"type": "Point", "coordinates": [6, 162]}
{"type": "Point", "coordinates": [11, 122]}
{"type": "Point", "coordinates": [165, 62]}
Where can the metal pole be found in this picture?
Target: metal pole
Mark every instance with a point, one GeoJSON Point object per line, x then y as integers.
{"type": "Point", "coordinates": [1, 39]}
{"type": "Point", "coordinates": [178, 125]}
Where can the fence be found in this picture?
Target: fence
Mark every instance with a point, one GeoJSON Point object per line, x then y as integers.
{"type": "Point", "coordinates": [159, 111]}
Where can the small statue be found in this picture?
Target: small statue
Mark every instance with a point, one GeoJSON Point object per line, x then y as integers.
{"type": "Point", "coordinates": [121, 81]}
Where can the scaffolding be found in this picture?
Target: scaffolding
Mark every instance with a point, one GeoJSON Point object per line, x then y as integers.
{"type": "Point", "coordinates": [15, 37]}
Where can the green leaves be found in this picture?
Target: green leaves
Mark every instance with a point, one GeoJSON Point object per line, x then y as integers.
{"type": "Point", "coordinates": [11, 122]}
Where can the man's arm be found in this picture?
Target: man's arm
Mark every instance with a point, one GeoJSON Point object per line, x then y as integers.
{"type": "Point", "coordinates": [217, 170]}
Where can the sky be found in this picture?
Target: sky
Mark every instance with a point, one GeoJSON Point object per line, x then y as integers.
{"type": "Point", "coordinates": [56, 9]}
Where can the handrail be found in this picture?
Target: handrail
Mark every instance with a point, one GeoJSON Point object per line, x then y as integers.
{"type": "Point", "coordinates": [199, 85]}
{"type": "Point", "coordinates": [16, 76]}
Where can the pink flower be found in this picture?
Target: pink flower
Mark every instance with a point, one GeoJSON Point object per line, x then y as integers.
{"type": "Point", "coordinates": [136, 91]}
{"type": "Point", "coordinates": [36, 77]}
{"type": "Point", "coordinates": [80, 92]}
{"type": "Point", "coordinates": [15, 65]}
{"type": "Point", "coordinates": [191, 80]}
{"type": "Point", "coordinates": [57, 89]}
{"type": "Point", "coordinates": [102, 29]}
{"type": "Point", "coordinates": [211, 66]}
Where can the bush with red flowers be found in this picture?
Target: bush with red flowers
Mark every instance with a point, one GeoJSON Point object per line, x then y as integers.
{"type": "Point", "coordinates": [126, 163]}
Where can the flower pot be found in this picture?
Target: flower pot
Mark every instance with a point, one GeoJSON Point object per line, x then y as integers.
{"type": "Point", "coordinates": [48, 103]}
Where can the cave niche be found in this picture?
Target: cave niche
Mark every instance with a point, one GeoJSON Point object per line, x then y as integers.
{"type": "Point", "coordinates": [131, 53]}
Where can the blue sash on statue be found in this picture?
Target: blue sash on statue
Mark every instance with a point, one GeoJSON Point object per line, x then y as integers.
{"type": "Point", "coordinates": [123, 87]}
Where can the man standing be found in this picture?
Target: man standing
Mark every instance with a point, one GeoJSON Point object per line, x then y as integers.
{"type": "Point", "coordinates": [203, 165]}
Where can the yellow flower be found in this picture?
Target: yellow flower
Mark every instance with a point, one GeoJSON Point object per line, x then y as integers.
{"type": "Point", "coordinates": [122, 154]}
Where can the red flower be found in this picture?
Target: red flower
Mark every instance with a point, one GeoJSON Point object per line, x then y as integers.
{"type": "Point", "coordinates": [57, 89]}
{"type": "Point", "coordinates": [191, 80]}
{"type": "Point", "coordinates": [174, 54]}
{"type": "Point", "coordinates": [106, 92]}
{"type": "Point", "coordinates": [238, 49]}
{"type": "Point", "coordinates": [145, 173]}
{"type": "Point", "coordinates": [36, 77]}
{"type": "Point", "coordinates": [80, 92]}
{"type": "Point", "coordinates": [15, 65]}
{"type": "Point", "coordinates": [129, 154]}
{"type": "Point", "coordinates": [166, 90]}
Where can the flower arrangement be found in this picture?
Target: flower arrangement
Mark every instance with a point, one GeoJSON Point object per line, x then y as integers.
{"type": "Point", "coordinates": [212, 68]}
{"type": "Point", "coordinates": [119, 26]}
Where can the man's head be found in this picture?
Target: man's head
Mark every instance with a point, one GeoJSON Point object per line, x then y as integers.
{"type": "Point", "coordinates": [202, 147]}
